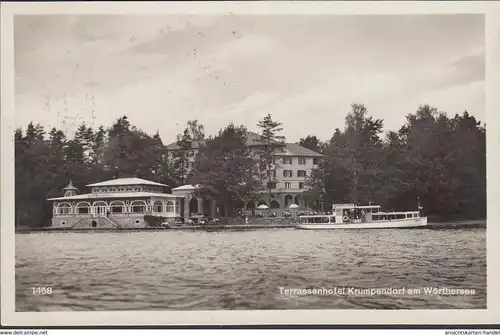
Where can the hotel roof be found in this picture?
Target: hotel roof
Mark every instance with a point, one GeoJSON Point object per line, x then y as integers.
{"type": "Point", "coordinates": [293, 149]}
{"type": "Point", "coordinates": [126, 182]}
{"type": "Point", "coordinates": [254, 139]}
{"type": "Point", "coordinates": [105, 195]}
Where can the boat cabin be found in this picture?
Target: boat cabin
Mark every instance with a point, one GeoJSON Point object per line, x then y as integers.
{"type": "Point", "coordinates": [352, 213]}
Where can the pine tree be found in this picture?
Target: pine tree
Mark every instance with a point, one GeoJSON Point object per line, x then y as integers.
{"type": "Point", "coordinates": [272, 145]}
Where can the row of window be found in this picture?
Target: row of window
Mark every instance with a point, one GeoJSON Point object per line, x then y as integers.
{"type": "Point", "coordinates": [126, 189]}
{"type": "Point", "coordinates": [288, 184]}
{"type": "Point", "coordinates": [288, 173]}
{"type": "Point", "coordinates": [116, 207]}
{"type": "Point", "coordinates": [380, 217]}
{"type": "Point", "coordinates": [286, 160]}
{"type": "Point", "coordinates": [289, 160]}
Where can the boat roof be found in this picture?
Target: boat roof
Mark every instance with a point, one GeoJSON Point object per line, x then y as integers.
{"type": "Point", "coordinates": [338, 206]}
{"type": "Point", "coordinates": [126, 182]}
{"type": "Point", "coordinates": [391, 213]}
{"type": "Point", "coordinates": [113, 195]}
{"type": "Point", "coordinates": [317, 215]}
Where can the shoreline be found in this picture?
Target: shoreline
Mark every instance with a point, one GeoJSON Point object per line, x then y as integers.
{"type": "Point", "coordinates": [233, 227]}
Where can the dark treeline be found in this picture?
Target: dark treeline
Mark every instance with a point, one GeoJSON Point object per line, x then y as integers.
{"type": "Point", "coordinates": [440, 160]}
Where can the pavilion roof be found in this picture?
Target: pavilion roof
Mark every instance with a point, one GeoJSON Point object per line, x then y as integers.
{"type": "Point", "coordinates": [126, 182]}
{"type": "Point", "coordinates": [116, 195]}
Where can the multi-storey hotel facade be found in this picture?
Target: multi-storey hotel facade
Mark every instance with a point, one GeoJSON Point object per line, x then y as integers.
{"type": "Point", "coordinates": [293, 164]}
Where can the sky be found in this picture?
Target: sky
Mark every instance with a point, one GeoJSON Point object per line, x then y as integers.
{"type": "Point", "coordinates": [161, 71]}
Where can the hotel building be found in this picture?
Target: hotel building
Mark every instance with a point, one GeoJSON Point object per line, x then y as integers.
{"type": "Point", "coordinates": [293, 164]}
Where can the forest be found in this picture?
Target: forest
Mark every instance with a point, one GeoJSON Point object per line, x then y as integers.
{"type": "Point", "coordinates": [434, 159]}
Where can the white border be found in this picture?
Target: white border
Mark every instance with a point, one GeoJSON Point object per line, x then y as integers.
{"type": "Point", "coordinates": [11, 318]}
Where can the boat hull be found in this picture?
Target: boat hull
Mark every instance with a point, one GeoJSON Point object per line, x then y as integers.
{"type": "Point", "coordinates": [415, 223]}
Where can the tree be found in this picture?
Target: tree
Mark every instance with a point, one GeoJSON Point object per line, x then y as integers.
{"type": "Point", "coordinates": [353, 161]}
{"type": "Point", "coordinates": [226, 169]}
{"type": "Point", "coordinates": [312, 142]}
{"type": "Point", "coordinates": [271, 145]}
{"type": "Point", "coordinates": [192, 138]}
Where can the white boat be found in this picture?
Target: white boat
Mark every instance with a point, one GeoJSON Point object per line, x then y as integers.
{"type": "Point", "coordinates": [352, 216]}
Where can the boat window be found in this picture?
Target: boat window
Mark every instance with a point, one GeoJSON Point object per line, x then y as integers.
{"type": "Point", "coordinates": [368, 210]}
{"type": "Point", "coordinates": [375, 210]}
{"type": "Point", "coordinates": [382, 217]}
{"type": "Point", "coordinates": [317, 220]}
{"type": "Point", "coordinates": [325, 220]}
{"type": "Point", "coordinates": [392, 217]}
{"type": "Point", "coordinates": [374, 217]}
{"type": "Point", "coordinates": [400, 216]}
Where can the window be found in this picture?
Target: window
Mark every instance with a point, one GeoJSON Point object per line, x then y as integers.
{"type": "Point", "coordinates": [315, 161]}
{"type": "Point", "coordinates": [302, 161]}
{"type": "Point", "coordinates": [158, 207]}
{"type": "Point", "coordinates": [117, 207]}
{"type": "Point", "coordinates": [287, 160]}
{"type": "Point", "coordinates": [287, 173]}
{"type": "Point", "coordinates": [301, 185]}
{"type": "Point", "coordinates": [170, 206]}
{"type": "Point", "coordinates": [137, 221]}
{"type": "Point", "coordinates": [271, 185]}
{"type": "Point", "coordinates": [138, 206]}
{"type": "Point", "coordinates": [301, 173]}
{"type": "Point", "coordinates": [400, 216]}
{"type": "Point", "coordinates": [83, 208]}
{"type": "Point", "coordinates": [375, 210]}
{"type": "Point", "coordinates": [271, 173]}
{"type": "Point", "coordinates": [64, 208]}
{"type": "Point", "coordinates": [288, 185]}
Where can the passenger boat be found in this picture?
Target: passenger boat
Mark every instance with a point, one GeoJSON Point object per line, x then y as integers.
{"type": "Point", "coordinates": [352, 216]}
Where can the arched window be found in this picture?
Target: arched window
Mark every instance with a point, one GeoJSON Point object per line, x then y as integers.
{"type": "Point", "coordinates": [64, 208]}
{"type": "Point", "coordinates": [138, 206]}
{"type": "Point", "coordinates": [158, 207]}
{"type": "Point", "coordinates": [117, 206]}
{"type": "Point", "coordinates": [170, 206]}
{"type": "Point", "coordinates": [262, 202]}
{"type": "Point", "coordinates": [82, 208]}
{"type": "Point", "coordinates": [275, 204]}
{"type": "Point", "coordinates": [100, 208]}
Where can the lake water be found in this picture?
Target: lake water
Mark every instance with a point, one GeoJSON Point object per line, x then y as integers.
{"type": "Point", "coordinates": [197, 270]}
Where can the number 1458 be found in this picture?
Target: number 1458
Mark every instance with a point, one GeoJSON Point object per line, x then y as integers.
{"type": "Point", "coordinates": [41, 290]}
